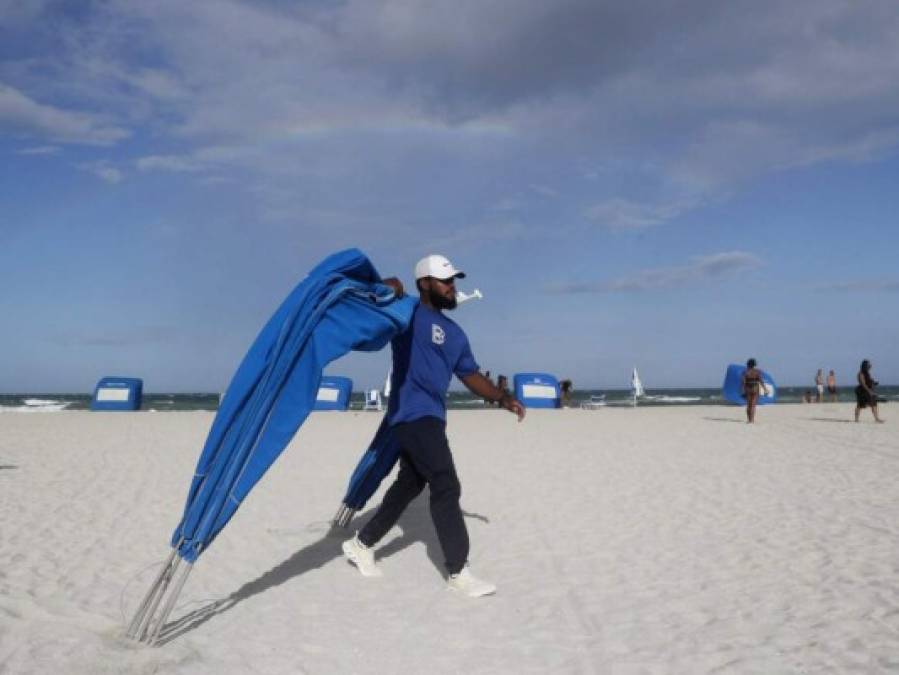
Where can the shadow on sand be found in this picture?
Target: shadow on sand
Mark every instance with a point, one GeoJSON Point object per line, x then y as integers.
{"type": "Point", "coordinates": [830, 419]}
{"type": "Point", "coordinates": [724, 419]}
{"type": "Point", "coordinates": [8, 466]}
{"type": "Point", "coordinates": [415, 525]}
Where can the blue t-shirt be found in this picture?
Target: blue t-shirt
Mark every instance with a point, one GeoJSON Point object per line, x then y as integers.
{"type": "Point", "coordinates": [425, 357]}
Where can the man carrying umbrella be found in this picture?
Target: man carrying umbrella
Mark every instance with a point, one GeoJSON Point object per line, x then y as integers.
{"type": "Point", "coordinates": [425, 357]}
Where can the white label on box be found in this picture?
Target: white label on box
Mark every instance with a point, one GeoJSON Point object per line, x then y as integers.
{"type": "Point", "coordinates": [538, 391]}
{"type": "Point", "coordinates": [111, 394]}
{"type": "Point", "coordinates": [328, 394]}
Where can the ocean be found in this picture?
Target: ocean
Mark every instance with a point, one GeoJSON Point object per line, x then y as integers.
{"type": "Point", "coordinates": [48, 403]}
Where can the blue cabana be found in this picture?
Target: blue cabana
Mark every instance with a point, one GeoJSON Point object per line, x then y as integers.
{"type": "Point", "coordinates": [333, 393]}
{"type": "Point", "coordinates": [118, 393]}
{"type": "Point", "coordinates": [537, 390]}
{"type": "Point", "coordinates": [732, 390]}
{"type": "Point", "coordinates": [340, 306]}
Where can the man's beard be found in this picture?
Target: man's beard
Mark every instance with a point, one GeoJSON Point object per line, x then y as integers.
{"type": "Point", "coordinates": [440, 301]}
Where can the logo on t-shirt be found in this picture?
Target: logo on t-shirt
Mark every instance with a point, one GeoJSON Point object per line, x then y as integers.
{"type": "Point", "coordinates": [438, 337]}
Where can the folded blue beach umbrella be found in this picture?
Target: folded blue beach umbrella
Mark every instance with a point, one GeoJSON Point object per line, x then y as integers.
{"type": "Point", "coordinates": [340, 306]}
{"type": "Point", "coordinates": [732, 390]}
{"type": "Point", "coordinates": [374, 466]}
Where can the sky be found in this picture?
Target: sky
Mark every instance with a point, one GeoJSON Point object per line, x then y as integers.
{"type": "Point", "coordinates": [668, 185]}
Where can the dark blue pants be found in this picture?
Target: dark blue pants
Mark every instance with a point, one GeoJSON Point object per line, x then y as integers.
{"type": "Point", "coordinates": [425, 459]}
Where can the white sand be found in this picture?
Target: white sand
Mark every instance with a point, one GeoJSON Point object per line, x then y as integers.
{"type": "Point", "coordinates": [655, 540]}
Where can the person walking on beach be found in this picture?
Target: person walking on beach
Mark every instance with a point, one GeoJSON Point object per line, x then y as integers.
{"type": "Point", "coordinates": [864, 392]}
{"type": "Point", "coordinates": [819, 385]}
{"type": "Point", "coordinates": [832, 386]}
{"type": "Point", "coordinates": [425, 357]}
{"type": "Point", "coordinates": [752, 387]}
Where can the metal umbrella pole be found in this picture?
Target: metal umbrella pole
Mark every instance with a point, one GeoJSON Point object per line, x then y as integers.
{"type": "Point", "coordinates": [343, 516]}
{"type": "Point", "coordinates": [151, 599]}
{"type": "Point", "coordinates": [147, 623]}
{"type": "Point", "coordinates": [153, 637]}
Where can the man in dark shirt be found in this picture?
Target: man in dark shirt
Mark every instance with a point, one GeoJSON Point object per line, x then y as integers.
{"type": "Point", "coordinates": [425, 357]}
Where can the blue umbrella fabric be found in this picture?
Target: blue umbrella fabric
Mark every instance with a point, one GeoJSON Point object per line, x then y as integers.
{"type": "Point", "coordinates": [340, 306]}
{"type": "Point", "coordinates": [376, 463]}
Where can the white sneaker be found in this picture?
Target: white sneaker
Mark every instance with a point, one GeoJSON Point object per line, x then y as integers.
{"type": "Point", "coordinates": [362, 556]}
{"type": "Point", "coordinates": [468, 584]}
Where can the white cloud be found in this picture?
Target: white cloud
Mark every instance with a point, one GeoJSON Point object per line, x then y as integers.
{"type": "Point", "coordinates": [622, 214]}
{"type": "Point", "coordinates": [23, 115]}
{"type": "Point", "coordinates": [508, 204]}
{"type": "Point", "coordinates": [863, 286]}
{"type": "Point", "coordinates": [545, 191]}
{"type": "Point", "coordinates": [39, 150]}
{"type": "Point", "coordinates": [14, 12]}
{"type": "Point", "coordinates": [101, 169]}
{"type": "Point", "coordinates": [699, 271]}
{"type": "Point", "coordinates": [109, 174]}
{"type": "Point", "coordinates": [175, 163]}
{"type": "Point", "coordinates": [709, 97]}
{"type": "Point", "coordinates": [504, 230]}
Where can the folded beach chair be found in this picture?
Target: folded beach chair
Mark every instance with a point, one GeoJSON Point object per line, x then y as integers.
{"type": "Point", "coordinates": [373, 400]}
{"type": "Point", "coordinates": [596, 401]}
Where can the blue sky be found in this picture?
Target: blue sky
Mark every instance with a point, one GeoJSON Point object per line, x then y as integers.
{"type": "Point", "coordinates": [671, 185]}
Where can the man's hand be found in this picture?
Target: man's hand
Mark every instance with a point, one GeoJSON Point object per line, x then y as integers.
{"type": "Point", "coordinates": [396, 285]}
{"type": "Point", "coordinates": [513, 405]}
{"type": "Point", "coordinates": [481, 386]}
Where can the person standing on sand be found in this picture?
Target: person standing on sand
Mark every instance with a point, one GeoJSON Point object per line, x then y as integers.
{"type": "Point", "coordinates": [864, 392]}
{"type": "Point", "coordinates": [567, 387]}
{"type": "Point", "coordinates": [819, 385]}
{"type": "Point", "coordinates": [425, 357]}
{"type": "Point", "coordinates": [752, 387]}
{"type": "Point", "coordinates": [502, 383]}
{"type": "Point", "coordinates": [832, 386]}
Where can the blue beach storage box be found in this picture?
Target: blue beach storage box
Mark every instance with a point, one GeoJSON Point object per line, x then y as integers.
{"type": "Point", "coordinates": [537, 390]}
{"type": "Point", "coordinates": [333, 393]}
{"type": "Point", "coordinates": [118, 393]}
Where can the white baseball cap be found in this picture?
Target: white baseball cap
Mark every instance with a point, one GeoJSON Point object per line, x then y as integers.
{"type": "Point", "coordinates": [438, 267]}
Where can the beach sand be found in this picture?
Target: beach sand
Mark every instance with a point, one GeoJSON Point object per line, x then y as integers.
{"type": "Point", "coordinates": [655, 540]}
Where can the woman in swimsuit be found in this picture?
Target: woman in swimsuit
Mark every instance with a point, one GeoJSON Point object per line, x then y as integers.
{"type": "Point", "coordinates": [832, 386]}
{"type": "Point", "coordinates": [864, 392]}
{"type": "Point", "coordinates": [752, 387]}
